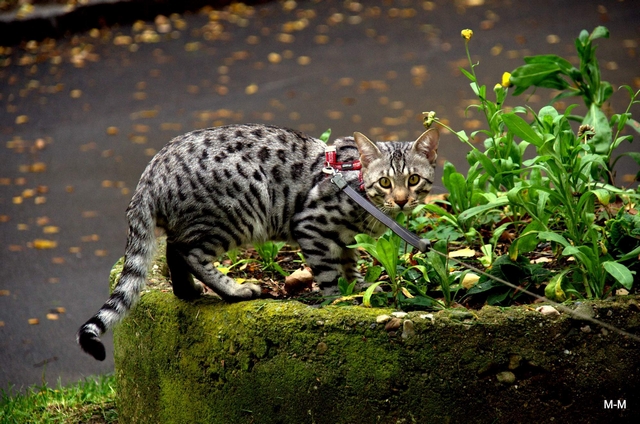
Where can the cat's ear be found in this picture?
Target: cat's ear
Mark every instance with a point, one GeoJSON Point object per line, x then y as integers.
{"type": "Point", "coordinates": [367, 148]}
{"type": "Point", "coordinates": [427, 144]}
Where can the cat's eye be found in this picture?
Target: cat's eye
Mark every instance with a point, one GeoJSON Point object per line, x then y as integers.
{"type": "Point", "coordinates": [414, 180]}
{"type": "Point", "coordinates": [384, 182]}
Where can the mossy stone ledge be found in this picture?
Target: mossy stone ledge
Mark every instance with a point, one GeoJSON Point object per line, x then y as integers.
{"type": "Point", "coordinates": [268, 361]}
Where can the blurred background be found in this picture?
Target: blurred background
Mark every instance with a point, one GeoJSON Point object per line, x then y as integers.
{"type": "Point", "coordinates": [91, 90]}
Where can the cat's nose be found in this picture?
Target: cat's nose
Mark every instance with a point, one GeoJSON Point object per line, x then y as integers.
{"type": "Point", "coordinates": [401, 202]}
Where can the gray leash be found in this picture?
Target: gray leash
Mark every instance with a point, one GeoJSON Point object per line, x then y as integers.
{"type": "Point", "coordinates": [421, 244]}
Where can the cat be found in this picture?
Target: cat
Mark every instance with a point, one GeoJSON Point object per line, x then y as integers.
{"type": "Point", "coordinates": [215, 189]}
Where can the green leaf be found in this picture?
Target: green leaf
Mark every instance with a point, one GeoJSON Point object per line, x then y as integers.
{"type": "Point", "coordinates": [634, 254]}
{"type": "Point", "coordinates": [525, 76]}
{"type": "Point", "coordinates": [580, 255]}
{"type": "Point", "coordinates": [467, 74]}
{"type": "Point", "coordinates": [555, 237]}
{"type": "Point", "coordinates": [366, 298]}
{"type": "Point", "coordinates": [529, 240]}
{"type": "Point", "coordinates": [598, 120]}
{"type": "Point", "coordinates": [469, 213]}
{"type": "Point", "coordinates": [554, 290]}
{"type": "Point", "coordinates": [366, 242]}
{"type": "Point", "coordinates": [373, 273]}
{"type": "Point", "coordinates": [344, 287]}
{"type": "Point", "coordinates": [485, 161]}
{"type": "Point", "coordinates": [325, 135]}
{"type": "Point", "coordinates": [521, 128]}
{"type": "Point", "coordinates": [457, 187]}
{"type": "Point", "coordinates": [388, 257]}
{"type": "Point", "coordinates": [599, 32]}
{"type": "Point", "coordinates": [620, 272]}
{"type": "Point", "coordinates": [562, 63]}
{"type": "Point", "coordinates": [634, 124]}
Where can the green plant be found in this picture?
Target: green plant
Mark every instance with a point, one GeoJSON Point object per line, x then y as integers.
{"type": "Point", "coordinates": [404, 277]}
{"type": "Point", "coordinates": [91, 400]}
{"type": "Point", "coordinates": [345, 287]}
{"type": "Point", "coordinates": [268, 253]}
{"type": "Point", "coordinates": [562, 195]}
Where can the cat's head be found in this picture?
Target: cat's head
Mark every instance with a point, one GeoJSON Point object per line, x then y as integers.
{"type": "Point", "coordinates": [398, 175]}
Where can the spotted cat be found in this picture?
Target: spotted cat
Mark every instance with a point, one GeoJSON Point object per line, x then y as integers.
{"type": "Point", "coordinates": [216, 189]}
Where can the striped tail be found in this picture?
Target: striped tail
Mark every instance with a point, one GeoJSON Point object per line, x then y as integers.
{"type": "Point", "coordinates": [137, 259]}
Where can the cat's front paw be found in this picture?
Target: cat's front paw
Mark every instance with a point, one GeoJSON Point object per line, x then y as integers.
{"type": "Point", "coordinates": [246, 291]}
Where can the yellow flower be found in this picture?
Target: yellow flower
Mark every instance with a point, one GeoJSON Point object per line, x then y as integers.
{"type": "Point", "coordinates": [506, 80]}
{"type": "Point", "coordinates": [466, 34]}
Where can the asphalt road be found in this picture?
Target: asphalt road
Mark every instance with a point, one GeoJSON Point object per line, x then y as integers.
{"type": "Point", "coordinates": [81, 116]}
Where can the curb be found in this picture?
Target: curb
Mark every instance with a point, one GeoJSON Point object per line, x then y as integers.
{"type": "Point", "coordinates": [52, 20]}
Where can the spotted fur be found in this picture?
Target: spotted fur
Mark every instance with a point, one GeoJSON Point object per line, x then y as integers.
{"type": "Point", "coordinates": [216, 189]}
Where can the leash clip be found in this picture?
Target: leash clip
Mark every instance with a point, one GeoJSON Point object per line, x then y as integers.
{"type": "Point", "coordinates": [338, 180]}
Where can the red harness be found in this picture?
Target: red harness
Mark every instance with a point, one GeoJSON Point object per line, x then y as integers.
{"type": "Point", "coordinates": [332, 165]}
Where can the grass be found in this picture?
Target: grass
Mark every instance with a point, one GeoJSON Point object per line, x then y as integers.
{"type": "Point", "coordinates": [89, 401]}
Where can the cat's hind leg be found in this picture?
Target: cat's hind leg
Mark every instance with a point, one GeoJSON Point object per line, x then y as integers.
{"type": "Point", "coordinates": [350, 269]}
{"type": "Point", "coordinates": [325, 259]}
{"type": "Point", "coordinates": [184, 287]}
{"type": "Point", "coordinates": [201, 266]}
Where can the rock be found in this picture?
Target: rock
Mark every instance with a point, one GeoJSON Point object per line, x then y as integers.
{"type": "Point", "coordinates": [382, 318]}
{"type": "Point", "coordinates": [548, 310]}
{"type": "Point", "coordinates": [583, 312]}
{"type": "Point", "coordinates": [506, 377]}
{"type": "Point", "coordinates": [427, 316]}
{"type": "Point", "coordinates": [407, 329]}
{"type": "Point", "coordinates": [393, 324]}
{"type": "Point", "coordinates": [298, 281]}
{"type": "Point", "coordinates": [461, 315]}
{"type": "Point", "coordinates": [585, 329]}
{"type": "Point", "coordinates": [322, 348]}
{"type": "Point", "coordinates": [399, 314]}
{"type": "Point", "coordinates": [514, 361]}
{"type": "Point", "coordinates": [622, 292]}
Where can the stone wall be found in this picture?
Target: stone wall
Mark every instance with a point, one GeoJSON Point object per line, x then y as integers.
{"type": "Point", "coordinates": [269, 361]}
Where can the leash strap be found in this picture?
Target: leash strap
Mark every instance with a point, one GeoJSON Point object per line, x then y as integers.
{"type": "Point", "coordinates": [421, 244]}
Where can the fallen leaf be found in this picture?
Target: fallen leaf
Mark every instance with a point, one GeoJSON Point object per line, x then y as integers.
{"type": "Point", "coordinates": [44, 244]}
{"type": "Point", "coordinates": [5, 292]}
{"type": "Point", "coordinates": [251, 89]}
{"type": "Point", "coordinates": [52, 317]}
{"type": "Point", "coordinates": [470, 280]}
{"type": "Point", "coordinates": [541, 260]}
{"type": "Point", "coordinates": [463, 253]}
{"type": "Point", "coordinates": [33, 321]}
{"type": "Point", "coordinates": [42, 220]}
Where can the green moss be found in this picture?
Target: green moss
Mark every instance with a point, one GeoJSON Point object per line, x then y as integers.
{"type": "Point", "coordinates": [283, 362]}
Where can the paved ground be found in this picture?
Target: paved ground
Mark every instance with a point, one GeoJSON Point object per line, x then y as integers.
{"type": "Point", "coordinates": [82, 115]}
